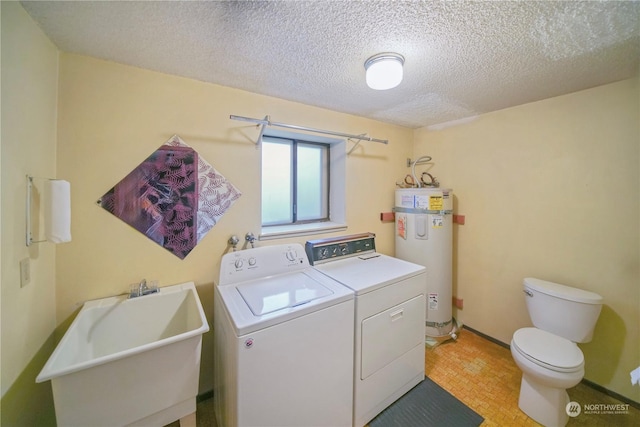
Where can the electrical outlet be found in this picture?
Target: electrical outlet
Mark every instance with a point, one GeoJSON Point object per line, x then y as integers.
{"type": "Point", "coordinates": [25, 272]}
{"type": "Point", "coordinates": [458, 303]}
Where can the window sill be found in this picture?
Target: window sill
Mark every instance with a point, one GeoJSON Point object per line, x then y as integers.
{"type": "Point", "coordinates": [285, 231]}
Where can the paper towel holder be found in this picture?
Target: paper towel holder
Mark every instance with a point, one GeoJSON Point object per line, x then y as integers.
{"type": "Point", "coordinates": [29, 237]}
{"type": "Point", "coordinates": [30, 240]}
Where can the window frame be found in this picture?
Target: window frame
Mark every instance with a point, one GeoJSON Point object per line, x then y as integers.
{"type": "Point", "coordinates": [326, 194]}
{"type": "Point", "coordinates": [337, 155]}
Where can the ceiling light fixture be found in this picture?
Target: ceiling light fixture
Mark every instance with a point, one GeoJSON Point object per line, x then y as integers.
{"type": "Point", "coordinates": [384, 70]}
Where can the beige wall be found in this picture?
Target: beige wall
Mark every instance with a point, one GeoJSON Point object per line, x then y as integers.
{"type": "Point", "coordinates": [550, 190]}
{"type": "Point", "coordinates": [111, 117]}
{"type": "Point", "coordinates": [29, 99]}
{"type": "Point", "coordinates": [29, 109]}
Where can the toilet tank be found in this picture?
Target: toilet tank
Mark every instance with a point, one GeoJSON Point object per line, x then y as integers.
{"type": "Point", "coordinates": [562, 310]}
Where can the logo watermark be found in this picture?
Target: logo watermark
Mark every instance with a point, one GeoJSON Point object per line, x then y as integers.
{"type": "Point", "coordinates": [574, 409]}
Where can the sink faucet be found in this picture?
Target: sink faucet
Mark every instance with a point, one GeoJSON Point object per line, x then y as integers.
{"type": "Point", "coordinates": [141, 289]}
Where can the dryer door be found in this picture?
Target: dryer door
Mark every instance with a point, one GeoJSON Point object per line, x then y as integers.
{"type": "Point", "coordinates": [390, 334]}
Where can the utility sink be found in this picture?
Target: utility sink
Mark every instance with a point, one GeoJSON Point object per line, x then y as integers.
{"type": "Point", "coordinates": [130, 361]}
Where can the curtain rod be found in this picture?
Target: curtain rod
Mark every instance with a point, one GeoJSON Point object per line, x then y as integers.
{"type": "Point", "coordinates": [267, 122]}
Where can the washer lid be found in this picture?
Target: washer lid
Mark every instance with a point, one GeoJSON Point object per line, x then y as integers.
{"type": "Point", "coordinates": [284, 291]}
{"type": "Point", "coordinates": [548, 350]}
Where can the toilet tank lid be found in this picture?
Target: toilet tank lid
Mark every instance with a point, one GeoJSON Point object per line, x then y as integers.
{"type": "Point", "coordinates": [562, 291]}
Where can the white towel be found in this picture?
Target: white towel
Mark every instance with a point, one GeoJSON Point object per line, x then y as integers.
{"type": "Point", "coordinates": [57, 211]}
{"type": "Point", "coordinates": [635, 376]}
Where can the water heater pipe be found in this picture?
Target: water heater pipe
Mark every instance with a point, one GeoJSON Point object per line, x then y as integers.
{"type": "Point", "coordinates": [413, 169]}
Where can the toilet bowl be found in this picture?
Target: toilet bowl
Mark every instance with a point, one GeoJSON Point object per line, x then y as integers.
{"type": "Point", "coordinates": [554, 360]}
{"type": "Point", "coordinates": [547, 354]}
{"type": "Point", "coordinates": [549, 365]}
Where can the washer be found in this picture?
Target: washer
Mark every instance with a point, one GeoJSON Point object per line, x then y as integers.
{"type": "Point", "coordinates": [390, 309]}
{"type": "Point", "coordinates": [283, 342]}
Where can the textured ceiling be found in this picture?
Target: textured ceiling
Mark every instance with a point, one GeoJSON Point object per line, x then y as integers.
{"type": "Point", "coordinates": [462, 58]}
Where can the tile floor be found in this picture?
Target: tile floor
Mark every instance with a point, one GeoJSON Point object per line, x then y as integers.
{"type": "Point", "coordinates": [482, 374]}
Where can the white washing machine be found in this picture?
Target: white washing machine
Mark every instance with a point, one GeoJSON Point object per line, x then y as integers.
{"type": "Point", "coordinates": [283, 342]}
{"type": "Point", "coordinates": [389, 318]}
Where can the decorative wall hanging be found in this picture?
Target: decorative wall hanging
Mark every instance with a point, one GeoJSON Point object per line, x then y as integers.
{"type": "Point", "coordinates": [174, 197]}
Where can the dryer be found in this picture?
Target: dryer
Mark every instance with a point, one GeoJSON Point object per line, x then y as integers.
{"type": "Point", "coordinates": [390, 309]}
{"type": "Point", "coordinates": [283, 342]}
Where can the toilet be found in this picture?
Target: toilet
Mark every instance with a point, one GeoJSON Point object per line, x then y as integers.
{"type": "Point", "coordinates": [547, 353]}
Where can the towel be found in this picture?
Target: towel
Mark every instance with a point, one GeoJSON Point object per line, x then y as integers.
{"type": "Point", "coordinates": [635, 376]}
{"type": "Point", "coordinates": [57, 212]}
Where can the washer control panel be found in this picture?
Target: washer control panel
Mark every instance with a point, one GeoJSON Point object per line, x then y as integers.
{"type": "Point", "coordinates": [325, 250]}
{"type": "Point", "coordinates": [254, 263]}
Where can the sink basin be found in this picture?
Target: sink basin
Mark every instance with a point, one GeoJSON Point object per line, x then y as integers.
{"type": "Point", "coordinates": [130, 361]}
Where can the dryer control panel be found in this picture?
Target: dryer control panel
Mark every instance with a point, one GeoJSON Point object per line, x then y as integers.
{"type": "Point", "coordinates": [330, 249]}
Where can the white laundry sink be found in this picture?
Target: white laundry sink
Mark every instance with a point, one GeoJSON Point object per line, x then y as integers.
{"type": "Point", "coordinates": [130, 361]}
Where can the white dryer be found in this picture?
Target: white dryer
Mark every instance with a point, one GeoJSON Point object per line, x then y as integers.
{"type": "Point", "coordinates": [283, 342]}
{"type": "Point", "coordinates": [389, 318]}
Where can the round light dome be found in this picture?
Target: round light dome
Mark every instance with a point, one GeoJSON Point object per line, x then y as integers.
{"type": "Point", "coordinates": [384, 70]}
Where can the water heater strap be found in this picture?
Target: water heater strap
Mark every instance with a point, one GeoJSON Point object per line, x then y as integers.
{"type": "Point", "coordinates": [422, 211]}
{"type": "Point", "coordinates": [437, 324]}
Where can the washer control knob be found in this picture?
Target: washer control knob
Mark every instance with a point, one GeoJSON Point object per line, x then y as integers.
{"type": "Point", "coordinates": [292, 255]}
{"type": "Point", "coordinates": [252, 261]}
{"type": "Point", "coordinates": [239, 263]}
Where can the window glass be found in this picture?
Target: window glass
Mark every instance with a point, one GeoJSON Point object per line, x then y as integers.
{"type": "Point", "coordinates": [277, 182]}
{"type": "Point", "coordinates": [295, 181]}
{"type": "Point", "coordinates": [312, 182]}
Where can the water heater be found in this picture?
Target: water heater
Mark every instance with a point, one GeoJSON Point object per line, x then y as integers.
{"type": "Point", "coordinates": [424, 235]}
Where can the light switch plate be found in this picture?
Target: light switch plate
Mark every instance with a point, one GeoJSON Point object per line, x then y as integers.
{"type": "Point", "coordinates": [25, 272]}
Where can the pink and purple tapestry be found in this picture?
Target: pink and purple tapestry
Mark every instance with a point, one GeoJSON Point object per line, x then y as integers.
{"type": "Point", "coordinates": [215, 193]}
{"type": "Point", "coordinates": [174, 197]}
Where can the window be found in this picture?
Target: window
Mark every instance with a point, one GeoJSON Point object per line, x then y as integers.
{"type": "Point", "coordinates": [295, 181]}
{"type": "Point", "coordinates": [303, 184]}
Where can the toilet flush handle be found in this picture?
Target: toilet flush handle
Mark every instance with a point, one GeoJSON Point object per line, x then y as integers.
{"type": "Point", "coordinates": [528, 292]}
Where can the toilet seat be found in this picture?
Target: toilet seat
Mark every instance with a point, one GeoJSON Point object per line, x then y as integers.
{"type": "Point", "coordinates": [548, 350]}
